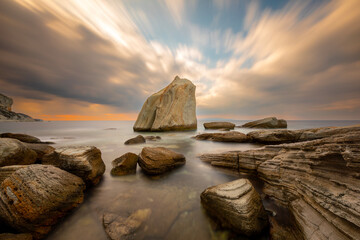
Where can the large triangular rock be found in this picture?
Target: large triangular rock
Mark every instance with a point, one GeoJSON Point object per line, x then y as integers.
{"type": "Point", "coordinates": [172, 108]}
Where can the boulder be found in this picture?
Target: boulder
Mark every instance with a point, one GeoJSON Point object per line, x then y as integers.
{"type": "Point", "coordinates": [13, 236]}
{"type": "Point", "coordinates": [136, 140]}
{"type": "Point", "coordinates": [6, 171]}
{"type": "Point", "coordinates": [236, 205]}
{"type": "Point", "coordinates": [172, 108]}
{"type": "Point", "coordinates": [124, 165]}
{"type": "Point", "coordinates": [270, 122]}
{"type": "Point", "coordinates": [21, 137]}
{"type": "Point", "coordinates": [14, 152]}
{"type": "Point", "coordinates": [232, 136]}
{"type": "Point", "coordinates": [318, 178]}
{"type": "Point", "coordinates": [157, 160]}
{"type": "Point", "coordinates": [34, 198]}
{"type": "Point", "coordinates": [84, 162]}
{"type": "Point", "coordinates": [122, 228]}
{"type": "Point", "coordinates": [219, 125]}
{"type": "Point", "coordinates": [40, 149]}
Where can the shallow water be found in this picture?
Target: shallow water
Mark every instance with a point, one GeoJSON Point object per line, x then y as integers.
{"type": "Point", "coordinates": [174, 198]}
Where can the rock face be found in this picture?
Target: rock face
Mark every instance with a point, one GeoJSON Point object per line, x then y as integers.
{"type": "Point", "coordinates": [121, 228]}
{"type": "Point", "coordinates": [11, 236]}
{"type": "Point", "coordinates": [237, 206]}
{"type": "Point", "coordinates": [126, 164]}
{"type": "Point", "coordinates": [136, 140]}
{"type": "Point", "coordinates": [219, 125]}
{"type": "Point", "coordinates": [21, 137]}
{"type": "Point", "coordinates": [84, 162]}
{"type": "Point", "coordinates": [7, 114]}
{"type": "Point", "coordinates": [172, 108]}
{"type": "Point", "coordinates": [232, 136]}
{"type": "Point", "coordinates": [5, 102]}
{"type": "Point", "coordinates": [319, 179]}
{"type": "Point", "coordinates": [158, 160]}
{"type": "Point", "coordinates": [6, 171]}
{"type": "Point", "coordinates": [34, 198]}
{"type": "Point", "coordinates": [14, 152]}
{"type": "Point", "coordinates": [270, 122]}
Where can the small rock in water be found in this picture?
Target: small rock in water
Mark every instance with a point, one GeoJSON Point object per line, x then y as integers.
{"type": "Point", "coordinates": [126, 164]}
{"type": "Point", "coordinates": [120, 228]}
{"type": "Point", "coordinates": [153, 138]}
{"type": "Point", "coordinates": [158, 160]}
{"type": "Point", "coordinates": [232, 136]}
{"type": "Point", "coordinates": [270, 122]}
{"type": "Point", "coordinates": [135, 140]}
{"type": "Point", "coordinates": [237, 206]}
{"type": "Point", "coordinates": [219, 125]}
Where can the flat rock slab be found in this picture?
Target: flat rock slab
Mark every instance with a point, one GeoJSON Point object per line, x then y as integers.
{"type": "Point", "coordinates": [84, 162]}
{"type": "Point", "coordinates": [14, 152]}
{"type": "Point", "coordinates": [124, 165]}
{"type": "Point", "coordinates": [171, 109]}
{"type": "Point", "coordinates": [136, 140]}
{"type": "Point", "coordinates": [236, 205]}
{"type": "Point", "coordinates": [122, 228]}
{"type": "Point", "coordinates": [232, 136]}
{"type": "Point", "coordinates": [158, 160]}
{"type": "Point", "coordinates": [34, 198]}
{"type": "Point", "coordinates": [219, 125]}
{"type": "Point", "coordinates": [270, 122]}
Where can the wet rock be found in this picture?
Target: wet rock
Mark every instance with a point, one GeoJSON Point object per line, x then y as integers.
{"type": "Point", "coordinates": [34, 198]}
{"type": "Point", "coordinates": [136, 140]}
{"type": "Point", "coordinates": [13, 236]}
{"type": "Point", "coordinates": [14, 152]}
{"type": "Point", "coordinates": [227, 159]}
{"type": "Point", "coordinates": [158, 160]}
{"type": "Point", "coordinates": [172, 108]}
{"type": "Point", "coordinates": [270, 122]}
{"type": "Point", "coordinates": [153, 138]}
{"type": "Point", "coordinates": [121, 228]}
{"type": "Point", "coordinates": [84, 161]}
{"type": "Point", "coordinates": [219, 125]}
{"type": "Point", "coordinates": [6, 171]}
{"type": "Point", "coordinates": [126, 164]}
{"type": "Point", "coordinates": [322, 173]}
{"type": "Point", "coordinates": [21, 137]}
{"type": "Point", "coordinates": [232, 136]}
{"type": "Point", "coordinates": [237, 206]}
{"type": "Point", "coordinates": [40, 149]}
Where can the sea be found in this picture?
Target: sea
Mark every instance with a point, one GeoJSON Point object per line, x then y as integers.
{"type": "Point", "coordinates": [173, 198]}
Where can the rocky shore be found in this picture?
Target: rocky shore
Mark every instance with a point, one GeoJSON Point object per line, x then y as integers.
{"type": "Point", "coordinates": [6, 114]}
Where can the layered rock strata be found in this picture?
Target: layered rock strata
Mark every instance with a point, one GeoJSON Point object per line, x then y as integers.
{"type": "Point", "coordinates": [172, 108]}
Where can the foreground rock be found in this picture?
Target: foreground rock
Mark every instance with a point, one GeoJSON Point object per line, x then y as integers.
{"type": "Point", "coordinates": [124, 165]}
{"type": "Point", "coordinates": [34, 198]}
{"type": "Point", "coordinates": [172, 108]}
{"type": "Point", "coordinates": [270, 122]}
{"type": "Point", "coordinates": [6, 171]}
{"type": "Point", "coordinates": [219, 125]}
{"type": "Point", "coordinates": [7, 115]}
{"type": "Point", "coordinates": [158, 160]}
{"type": "Point", "coordinates": [237, 206]}
{"type": "Point", "coordinates": [40, 149]}
{"type": "Point", "coordinates": [12, 236]}
{"type": "Point", "coordinates": [136, 140]}
{"type": "Point", "coordinates": [84, 162]}
{"type": "Point", "coordinates": [319, 179]}
{"type": "Point", "coordinates": [14, 152]}
{"type": "Point", "coordinates": [121, 228]}
{"type": "Point", "coordinates": [232, 136]}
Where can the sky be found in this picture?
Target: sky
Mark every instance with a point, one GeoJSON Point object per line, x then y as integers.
{"type": "Point", "coordinates": [101, 59]}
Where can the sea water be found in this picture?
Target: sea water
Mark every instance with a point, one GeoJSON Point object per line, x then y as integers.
{"type": "Point", "coordinates": [174, 198]}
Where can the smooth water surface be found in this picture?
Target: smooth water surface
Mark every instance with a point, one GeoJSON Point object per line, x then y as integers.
{"type": "Point", "coordinates": [174, 198]}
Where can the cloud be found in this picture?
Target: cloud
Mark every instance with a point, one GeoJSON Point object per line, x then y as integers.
{"type": "Point", "coordinates": [176, 8]}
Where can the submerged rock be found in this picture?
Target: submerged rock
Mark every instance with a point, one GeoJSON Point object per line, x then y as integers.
{"type": "Point", "coordinates": [14, 152]}
{"type": "Point", "coordinates": [172, 108]}
{"type": "Point", "coordinates": [136, 140]}
{"type": "Point", "coordinates": [85, 162]}
{"type": "Point", "coordinates": [237, 206]}
{"type": "Point", "coordinates": [126, 164]}
{"type": "Point", "coordinates": [321, 176]}
{"type": "Point", "coordinates": [121, 228]}
{"type": "Point", "coordinates": [232, 136]}
{"type": "Point", "coordinates": [219, 125]}
{"type": "Point", "coordinates": [34, 198]}
{"type": "Point", "coordinates": [270, 122]}
{"type": "Point", "coordinates": [158, 160]}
